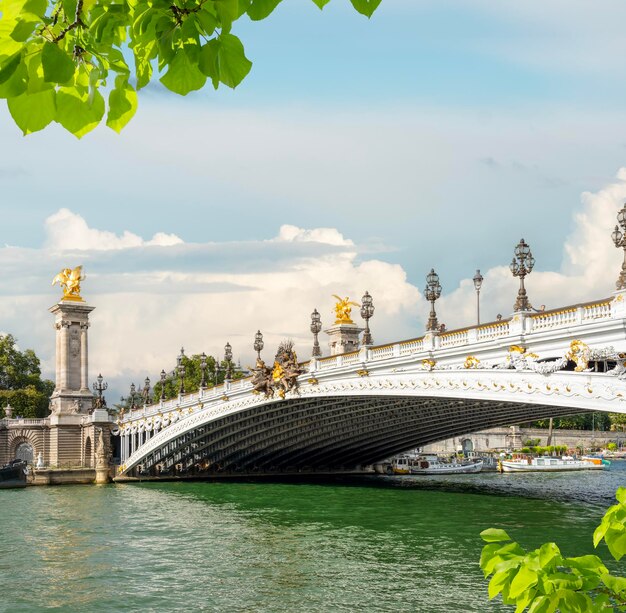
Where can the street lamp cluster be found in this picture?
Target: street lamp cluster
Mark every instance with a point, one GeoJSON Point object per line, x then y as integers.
{"type": "Point", "coordinates": [521, 266]}
{"type": "Point", "coordinates": [367, 312]}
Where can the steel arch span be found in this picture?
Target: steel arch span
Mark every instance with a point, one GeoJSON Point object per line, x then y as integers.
{"type": "Point", "coordinates": [348, 421]}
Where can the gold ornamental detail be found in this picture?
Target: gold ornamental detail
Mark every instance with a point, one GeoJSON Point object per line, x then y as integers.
{"type": "Point", "coordinates": [471, 361]}
{"type": "Point", "coordinates": [343, 310]}
{"type": "Point", "coordinates": [70, 279]}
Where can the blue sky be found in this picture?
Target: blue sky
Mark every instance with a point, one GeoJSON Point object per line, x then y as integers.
{"type": "Point", "coordinates": [435, 134]}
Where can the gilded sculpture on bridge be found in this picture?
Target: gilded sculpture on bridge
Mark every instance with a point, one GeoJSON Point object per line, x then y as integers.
{"type": "Point", "coordinates": [343, 310]}
{"type": "Point", "coordinates": [70, 279]}
{"type": "Point", "coordinates": [282, 377]}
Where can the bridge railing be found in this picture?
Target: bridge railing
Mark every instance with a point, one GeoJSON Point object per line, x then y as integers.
{"type": "Point", "coordinates": [522, 323]}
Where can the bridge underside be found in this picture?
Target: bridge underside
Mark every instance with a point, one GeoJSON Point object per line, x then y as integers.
{"type": "Point", "coordinates": [325, 434]}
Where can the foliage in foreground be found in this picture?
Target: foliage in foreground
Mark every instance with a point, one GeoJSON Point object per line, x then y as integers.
{"type": "Point", "coordinates": [58, 57]}
{"type": "Point", "coordinates": [545, 581]}
{"type": "Point", "coordinates": [21, 384]}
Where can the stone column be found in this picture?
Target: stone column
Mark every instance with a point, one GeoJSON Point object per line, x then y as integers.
{"type": "Point", "coordinates": [84, 362]}
{"type": "Point", "coordinates": [343, 338]}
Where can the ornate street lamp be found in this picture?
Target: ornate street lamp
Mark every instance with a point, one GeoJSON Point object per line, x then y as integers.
{"type": "Point", "coordinates": [228, 356]}
{"type": "Point", "coordinates": [522, 265]}
{"type": "Point", "coordinates": [478, 283]}
{"type": "Point", "coordinates": [163, 380]}
{"type": "Point", "coordinates": [132, 395]}
{"type": "Point", "coordinates": [432, 293]}
{"type": "Point", "coordinates": [99, 387]}
{"type": "Point", "coordinates": [258, 344]}
{"type": "Point", "coordinates": [146, 391]}
{"type": "Point", "coordinates": [203, 370]}
{"type": "Point", "coordinates": [367, 312]}
{"type": "Point", "coordinates": [316, 328]}
{"type": "Point", "coordinates": [216, 371]}
{"type": "Point", "coordinates": [619, 238]}
{"type": "Point", "coordinates": [180, 370]}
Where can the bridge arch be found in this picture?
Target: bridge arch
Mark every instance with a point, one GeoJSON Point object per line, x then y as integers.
{"type": "Point", "coordinates": [352, 422]}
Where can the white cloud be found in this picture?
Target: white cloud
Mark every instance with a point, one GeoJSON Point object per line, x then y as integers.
{"type": "Point", "coordinates": [328, 236]}
{"type": "Point", "coordinates": [152, 298]}
{"type": "Point", "coordinates": [589, 269]}
{"type": "Point", "coordinates": [66, 230]}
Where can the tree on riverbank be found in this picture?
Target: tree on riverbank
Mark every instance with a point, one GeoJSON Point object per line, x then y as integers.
{"type": "Point", "coordinates": [545, 581]}
{"type": "Point", "coordinates": [58, 57]}
{"type": "Point", "coordinates": [192, 380]}
{"type": "Point", "coordinates": [21, 384]}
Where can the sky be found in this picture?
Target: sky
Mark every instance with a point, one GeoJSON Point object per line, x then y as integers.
{"type": "Point", "coordinates": [356, 155]}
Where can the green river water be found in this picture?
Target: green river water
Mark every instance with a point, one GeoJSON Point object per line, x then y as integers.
{"type": "Point", "coordinates": [372, 544]}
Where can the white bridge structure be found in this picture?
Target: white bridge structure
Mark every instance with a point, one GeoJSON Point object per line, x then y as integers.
{"type": "Point", "coordinates": [354, 409]}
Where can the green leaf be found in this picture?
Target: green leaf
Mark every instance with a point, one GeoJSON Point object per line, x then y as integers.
{"type": "Point", "coordinates": [321, 3]}
{"type": "Point", "coordinates": [616, 584]}
{"type": "Point", "coordinates": [33, 112]}
{"type": "Point", "coordinates": [75, 113]}
{"type": "Point", "coordinates": [223, 59]}
{"type": "Point", "coordinates": [183, 76]}
{"type": "Point", "coordinates": [587, 564]}
{"type": "Point", "coordinates": [24, 27]}
{"type": "Point", "coordinates": [227, 11]}
{"type": "Point", "coordinates": [621, 495]}
{"type": "Point", "coordinates": [58, 66]}
{"type": "Point", "coordinates": [494, 535]}
{"type": "Point", "coordinates": [498, 581]}
{"type": "Point", "coordinates": [13, 78]}
{"type": "Point", "coordinates": [365, 7]}
{"type": "Point", "coordinates": [547, 553]}
{"type": "Point", "coordinates": [122, 104]}
{"type": "Point", "coordinates": [524, 579]}
{"type": "Point", "coordinates": [9, 66]}
{"type": "Point", "coordinates": [260, 9]}
{"type": "Point", "coordinates": [234, 65]}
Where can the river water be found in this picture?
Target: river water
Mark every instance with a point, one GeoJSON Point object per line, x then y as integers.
{"type": "Point", "coordinates": [370, 544]}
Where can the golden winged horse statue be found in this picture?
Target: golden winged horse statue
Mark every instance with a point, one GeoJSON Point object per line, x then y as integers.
{"type": "Point", "coordinates": [343, 310]}
{"type": "Point", "coordinates": [70, 279]}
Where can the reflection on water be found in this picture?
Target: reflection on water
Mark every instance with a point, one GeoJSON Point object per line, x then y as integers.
{"type": "Point", "coordinates": [376, 544]}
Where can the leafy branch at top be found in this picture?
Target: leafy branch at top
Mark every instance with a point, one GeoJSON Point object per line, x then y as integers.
{"type": "Point", "coordinates": [545, 581]}
{"type": "Point", "coordinates": [57, 57]}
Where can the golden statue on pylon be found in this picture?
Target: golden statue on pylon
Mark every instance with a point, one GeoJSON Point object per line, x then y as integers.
{"type": "Point", "coordinates": [343, 310]}
{"type": "Point", "coordinates": [70, 279]}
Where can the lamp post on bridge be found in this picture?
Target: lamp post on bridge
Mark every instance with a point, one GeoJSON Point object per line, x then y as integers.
{"type": "Point", "coordinates": [132, 395]}
{"type": "Point", "coordinates": [163, 380]}
{"type": "Point", "coordinates": [100, 387]}
{"type": "Point", "coordinates": [367, 312]}
{"type": "Point", "coordinates": [258, 344]}
{"type": "Point", "coordinates": [203, 366]}
{"type": "Point", "coordinates": [228, 356]}
{"type": "Point", "coordinates": [522, 264]}
{"type": "Point", "coordinates": [478, 282]}
{"type": "Point", "coordinates": [180, 370]}
{"type": "Point", "coordinates": [432, 293]}
{"type": "Point", "coordinates": [619, 239]}
{"type": "Point", "coordinates": [316, 328]}
{"type": "Point", "coordinates": [146, 391]}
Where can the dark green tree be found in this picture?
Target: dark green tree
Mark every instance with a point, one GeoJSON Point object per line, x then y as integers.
{"type": "Point", "coordinates": [21, 384]}
{"type": "Point", "coordinates": [193, 378]}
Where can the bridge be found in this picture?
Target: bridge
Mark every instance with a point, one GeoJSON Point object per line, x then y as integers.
{"type": "Point", "coordinates": [356, 408]}
{"type": "Point", "coordinates": [366, 403]}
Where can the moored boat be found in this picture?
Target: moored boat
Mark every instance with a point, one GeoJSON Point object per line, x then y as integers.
{"type": "Point", "coordinates": [546, 464]}
{"type": "Point", "coordinates": [13, 474]}
{"type": "Point", "coordinates": [432, 466]}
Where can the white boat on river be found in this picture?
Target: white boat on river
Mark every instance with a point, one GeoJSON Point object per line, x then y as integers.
{"type": "Point", "coordinates": [427, 466]}
{"type": "Point", "coordinates": [547, 464]}
{"type": "Point", "coordinates": [431, 465]}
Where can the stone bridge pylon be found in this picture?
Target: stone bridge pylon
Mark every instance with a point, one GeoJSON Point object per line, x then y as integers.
{"type": "Point", "coordinates": [64, 446]}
